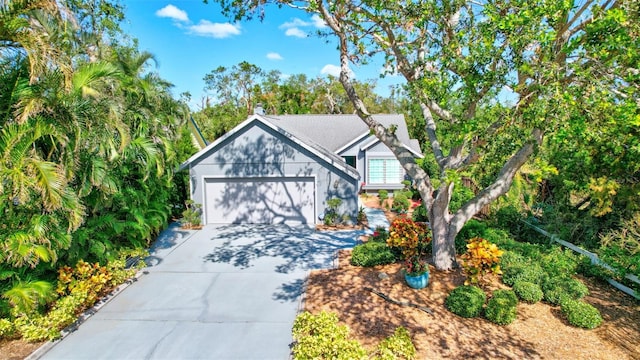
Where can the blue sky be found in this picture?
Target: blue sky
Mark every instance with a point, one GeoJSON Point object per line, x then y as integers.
{"type": "Point", "coordinates": [189, 39]}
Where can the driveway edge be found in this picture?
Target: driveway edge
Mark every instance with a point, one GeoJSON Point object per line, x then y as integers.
{"type": "Point", "coordinates": [86, 315]}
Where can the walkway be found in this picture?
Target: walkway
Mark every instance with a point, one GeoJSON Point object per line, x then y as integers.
{"type": "Point", "coordinates": [376, 218]}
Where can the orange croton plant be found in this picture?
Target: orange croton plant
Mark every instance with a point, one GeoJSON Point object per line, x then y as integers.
{"type": "Point", "coordinates": [482, 258]}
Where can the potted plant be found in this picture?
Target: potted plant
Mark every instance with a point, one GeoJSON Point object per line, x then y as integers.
{"type": "Point", "coordinates": [416, 272]}
{"type": "Point", "coordinates": [411, 239]}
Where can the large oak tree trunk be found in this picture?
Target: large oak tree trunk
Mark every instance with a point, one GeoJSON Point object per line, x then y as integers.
{"type": "Point", "coordinates": [444, 251]}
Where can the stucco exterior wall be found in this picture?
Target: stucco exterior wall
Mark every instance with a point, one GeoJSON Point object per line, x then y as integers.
{"type": "Point", "coordinates": [260, 151]}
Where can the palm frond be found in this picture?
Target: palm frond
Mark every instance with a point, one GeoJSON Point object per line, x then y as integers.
{"type": "Point", "coordinates": [26, 296]}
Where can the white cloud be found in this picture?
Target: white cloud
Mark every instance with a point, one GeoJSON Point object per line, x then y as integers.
{"type": "Point", "coordinates": [334, 70]}
{"type": "Point", "coordinates": [214, 30]}
{"type": "Point", "coordinates": [330, 69]}
{"type": "Point", "coordinates": [274, 56]}
{"type": "Point", "coordinates": [294, 31]}
{"type": "Point", "coordinates": [173, 12]}
{"type": "Point", "coordinates": [318, 22]}
{"type": "Point", "coordinates": [294, 24]}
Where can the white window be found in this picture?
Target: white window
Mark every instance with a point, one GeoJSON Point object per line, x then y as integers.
{"type": "Point", "coordinates": [385, 171]}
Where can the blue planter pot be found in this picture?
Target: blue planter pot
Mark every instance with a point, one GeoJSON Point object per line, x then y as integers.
{"type": "Point", "coordinates": [417, 282]}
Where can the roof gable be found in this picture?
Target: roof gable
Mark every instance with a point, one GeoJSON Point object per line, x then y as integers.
{"type": "Point", "coordinates": [330, 158]}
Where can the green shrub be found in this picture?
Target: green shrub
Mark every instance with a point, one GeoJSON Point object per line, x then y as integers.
{"type": "Point", "coordinates": [400, 203]}
{"type": "Point", "coordinates": [321, 337]}
{"type": "Point", "coordinates": [510, 219]}
{"type": "Point", "coordinates": [331, 215]}
{"type": "Point", "coordinates": [191, 216]}
{"type": "Point", "coordinates": [557, 289]}
{"type": "Point", "coordinates": [586, 268]}
{"type": "Point", "coordinates": [560, 263]}
{"type": "Point", "coordinates": [380, 234]}
{"type": "Point", "coordinates": [372, 253]}
{"type": "Point", "coordinates": [500, 237]}
{"type": "Point", "coordinates": [531, 272]}
{"type": "Point", "coordinates": [511, 258]}
{"type": "Point", "coordinates": [7, 329]}
{"type": "Point", "coordinates": [383, 195]}
{"type": "Point", "coordinates": [620, 248]}
{"type": "Point", "coordinates": [472, 229]}
{"type": "Point", "coordinates": [507, 242]}
{"type": "Point", "coordinates": [420, 214]}
{"type": "Point", "coordinates": [466, 301]}
{"type": "Point", "coordinates": [501, 308]}
{"type": "Point", "coordinates": [397, 346]}
{"type": "Point", "coordinates": [527, 291]}
{"type": "Point", "coordinates": [461, 194]}
{"type": "Point", "coordinates": [581, 314]}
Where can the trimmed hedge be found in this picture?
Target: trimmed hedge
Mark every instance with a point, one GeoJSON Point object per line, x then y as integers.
{"type": "Point", "coordinates": [466, 301]}
{"type": "Point", "coordinates": [372, 253]}
{"type": "Point", "coordinates": [530, 272]}
{"type": "Point", "coordinates": [581, 314]}
{"type": "Point", "coordinates": [502, 307]}
{"type": "Point", "coordinates": [558, 289]}
{"type": "Point", "coordinates": [528, 291]}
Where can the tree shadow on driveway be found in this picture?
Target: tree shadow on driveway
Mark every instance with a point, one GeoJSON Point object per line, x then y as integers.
{"type": "Point", "coordinates": [292, 249]}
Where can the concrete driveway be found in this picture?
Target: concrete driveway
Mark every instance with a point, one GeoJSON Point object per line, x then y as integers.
{"type": "Point", "coordinates": [224, 292]}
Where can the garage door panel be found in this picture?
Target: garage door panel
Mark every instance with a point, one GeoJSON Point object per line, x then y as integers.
{"type": "Point", "coordinates": [260, 200]}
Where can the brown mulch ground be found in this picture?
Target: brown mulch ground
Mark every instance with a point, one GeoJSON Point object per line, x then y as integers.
{"type": "Point", "coordinates": [539, 332]}
{"type": "Point", "coordinates": [17, 349]}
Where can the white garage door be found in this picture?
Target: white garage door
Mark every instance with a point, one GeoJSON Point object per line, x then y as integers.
{"type": "Point", "coordinates": [282, 200]}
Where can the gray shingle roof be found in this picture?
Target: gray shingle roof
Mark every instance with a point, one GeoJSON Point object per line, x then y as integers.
{"type": "Point", "coordinates": [335, 131]}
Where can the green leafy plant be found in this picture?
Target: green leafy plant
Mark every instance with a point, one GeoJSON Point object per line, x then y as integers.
{"type": "Point", "coordinates": [527, 271]}
{"type": "Point", "coordinates": [7, 329]}
{"type": "Point", "coordinates": [331, 215]}
{"type": "Point", "coordinates": [383, 195]}
{"type": "Point", "coordinates": [362, 217]}
{"type": "Point", "coordinates": [27, 297]}
{"type": "Point", "coordinates": [380, 234]}
{"type": "Point", "coordinates": [321, 337]}
{"type": "Point", "coordinates": [482, 258]}
{"type": "Point", "coordinates": [528, 291]}
{"type": "Point", "coordinates": [400, 203]}
{"type": "Point", "coordinates": [466, 301]}
{"type": "Point", "coordinates": [558, 289]}
{"type": "Point", "coordinates": [511, 258]}
{"type": "Point", "coordinates": [621, 247]}
{"type": "Point", "coordinates": [372, 253]}
{"type": "Point", "coordinates": [502, 307]}
{"type": "Point", "coordinates": [472, 229]}
{"type": "Point", "coordinates": [397, 346]}
{"type": "Point", "coordinates": [581, 314]}
{"type": "Point", "coordinates": [420, 214]}
{"type": "Point", "coordinates": [191, 216]}
{"type": "Point", "coordinates": [558, 262]}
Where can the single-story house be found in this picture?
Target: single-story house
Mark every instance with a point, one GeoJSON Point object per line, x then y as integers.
{"type": "Point", "coordinates": [283, 169]}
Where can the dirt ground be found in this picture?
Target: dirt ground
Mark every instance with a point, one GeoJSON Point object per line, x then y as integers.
{"type": "Point", "coordinates": [539, 332]}
{"type": "Point", "coordinates": [17, 349]}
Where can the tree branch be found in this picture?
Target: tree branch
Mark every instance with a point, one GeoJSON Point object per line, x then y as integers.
{"type": "Point", "coordinates": [503, 181]}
